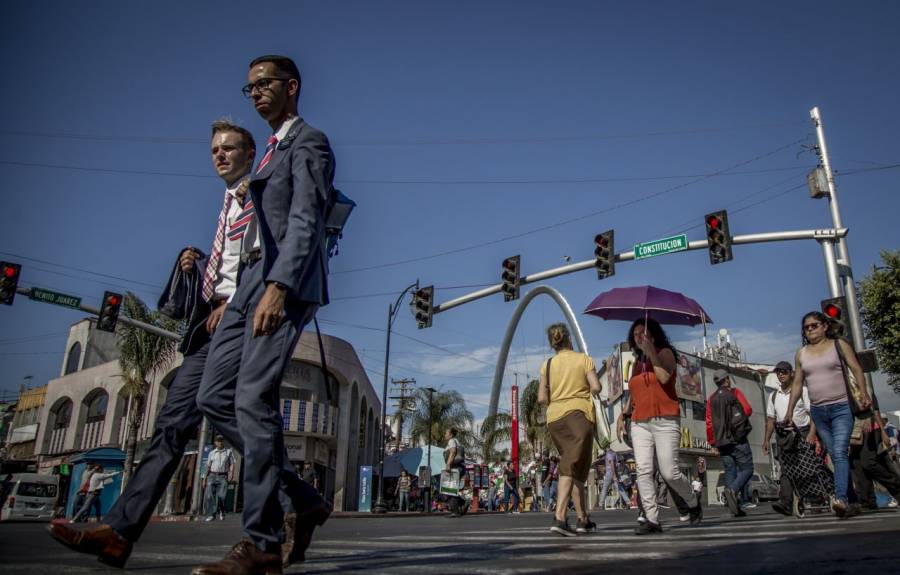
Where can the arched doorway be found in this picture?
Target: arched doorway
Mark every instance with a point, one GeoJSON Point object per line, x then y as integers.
{"type": "Point", "coordinates": [93, 419]}
{"type": "Point", "coordinates": [58, 421]}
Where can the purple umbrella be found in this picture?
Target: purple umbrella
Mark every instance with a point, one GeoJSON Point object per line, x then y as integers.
{"type": "Point", "coordinates": [631, 303]}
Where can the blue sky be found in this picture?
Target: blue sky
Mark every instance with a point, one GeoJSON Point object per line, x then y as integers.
{"type": "Point", "coordinates": [454, 125]}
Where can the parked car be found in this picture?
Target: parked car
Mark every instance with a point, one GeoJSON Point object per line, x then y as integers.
{"type": "Point", "coordinates": [762, 488]}
{"type": "Point", "coordinates": [32, 496]}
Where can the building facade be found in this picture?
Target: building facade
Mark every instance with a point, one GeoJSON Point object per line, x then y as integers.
{"type": "Point", "coordinates": [330, 420]}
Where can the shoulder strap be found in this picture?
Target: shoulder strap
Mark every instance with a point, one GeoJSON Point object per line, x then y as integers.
{"type": "Point", "coordinates": [549, 391]}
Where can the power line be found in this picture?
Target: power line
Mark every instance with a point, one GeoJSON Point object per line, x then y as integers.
{"type": "Point", "coordinates": [66, 266]}
{"type": "Point", "coordinates": [339, 142]}
{"type": "Point", "coordinates": [571, 220]}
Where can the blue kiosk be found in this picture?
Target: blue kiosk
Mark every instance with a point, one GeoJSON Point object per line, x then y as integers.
{"type": "Point", "coordinates": [111, 459]}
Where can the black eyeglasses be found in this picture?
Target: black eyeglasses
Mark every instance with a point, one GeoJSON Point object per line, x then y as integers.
{"type": "Point", "coordinates": [812, 326]}
{"type": "Point", "coordinates": [781, 372]}
{"type": "Point", "coordinates": [261, 84]}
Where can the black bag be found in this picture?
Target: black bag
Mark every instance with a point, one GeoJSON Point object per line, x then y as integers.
{"type": "Point", "coordinates": [739, 421]}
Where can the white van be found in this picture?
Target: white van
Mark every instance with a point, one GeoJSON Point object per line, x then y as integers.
{"type": "Point", "coordinates": [33, 496]}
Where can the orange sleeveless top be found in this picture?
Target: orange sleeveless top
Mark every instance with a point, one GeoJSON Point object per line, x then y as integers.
{"type": "Point", "coordinates": [650, 397]}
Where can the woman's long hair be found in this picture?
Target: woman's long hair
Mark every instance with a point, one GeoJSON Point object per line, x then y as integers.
{"type": "Point", "coordinates": [823, 319]}
{"type": "Point", "coordinates": [660, 339]}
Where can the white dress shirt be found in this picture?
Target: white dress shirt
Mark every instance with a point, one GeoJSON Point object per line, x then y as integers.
{"type": "Point", "coordinates": [240, 236]}
{"type": "Point", "coordinates": [220, 460]}
{"type": "Point", "coordinates": [777, 405]}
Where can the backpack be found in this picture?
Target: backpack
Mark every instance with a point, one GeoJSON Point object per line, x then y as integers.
{"type": "Point", "coordinates": [336, 217]}
{"type": "Point", "coordinates": [738, 421]}
{"type": "Point", "coordinates": [734, 424]}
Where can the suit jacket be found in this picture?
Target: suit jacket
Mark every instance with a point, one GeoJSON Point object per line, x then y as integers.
{"type": "Point", "coordinates": [291, 195]}
{"type": "Point", "coordinates": [182, 299]}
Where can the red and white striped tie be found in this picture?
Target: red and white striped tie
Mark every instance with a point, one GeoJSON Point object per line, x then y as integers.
{"type": "Point", "coordinates": [215, 258]}
{"type": "Point", "coordinates": [270, 149]}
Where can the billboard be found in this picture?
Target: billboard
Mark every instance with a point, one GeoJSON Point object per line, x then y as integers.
{"type": "Point", "coordinates": [614, 379]}
{"type": "Point", "coordinates": [689, 383]}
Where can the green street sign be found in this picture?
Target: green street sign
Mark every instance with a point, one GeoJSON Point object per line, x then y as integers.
{"type": "Point", "coordinates": [47, 296]}
{"type": "Point", "coordinates": [661, 247]}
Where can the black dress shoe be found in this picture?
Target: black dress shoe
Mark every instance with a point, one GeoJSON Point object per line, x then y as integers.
{"type": "Point", "coordinates": [100, 540]}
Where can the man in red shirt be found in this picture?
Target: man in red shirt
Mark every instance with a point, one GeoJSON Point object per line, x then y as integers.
{"type": "Point", "coordinates": [727, 427]}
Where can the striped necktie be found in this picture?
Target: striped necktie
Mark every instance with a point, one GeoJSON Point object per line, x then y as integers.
{"type": "Point", "coordinates": [215, 258]}
{"type": "Point", "coordinates": [270, 149]}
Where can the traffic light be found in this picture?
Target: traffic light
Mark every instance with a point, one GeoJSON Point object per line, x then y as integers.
{"type": "Point", "coordinates": [9, 280]}
{"type": "Point", "coordinates": [605, 254]}
{"type": "Point", "coordinates": [834, 309]}
{"type": "Point", "coordinates": [109, 312]}
{"type": "Point", "coordinates": [510, 278]}
{"type": "Point", "coordinates": [423, 306]}
{"type": "Point", "coordinates": [718, 237]}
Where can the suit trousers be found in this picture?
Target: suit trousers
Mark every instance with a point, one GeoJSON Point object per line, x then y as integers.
{"type": "Point", "coordinates": [239, 393]}
{"type": "Point", "coordinates": [175, 425]}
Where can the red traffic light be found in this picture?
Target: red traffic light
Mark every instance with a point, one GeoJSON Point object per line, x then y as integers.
{"type": "Point", "coordinates": [601, 240]}
{"type": "Point", "coordinates": [713, 222]}
{"type": "Point", "coordinates": [832, 311]}
{"type": "Point", "coordinates": [112, 300]}
{"type": "Point", "coordinates": [9, 271]}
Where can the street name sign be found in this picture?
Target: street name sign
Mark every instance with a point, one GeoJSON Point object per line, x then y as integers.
{"type": "Point", "coordinates": [661, 247]}
{"type": "Point", "coordinates": [55, 298]}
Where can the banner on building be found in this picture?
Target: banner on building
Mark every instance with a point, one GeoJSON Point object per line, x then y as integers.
{"type": "Point", "coordinates": [614, 378]}
{"type": "Point", "coordinates": [689, 384]}
{"type": "Point", "coordinates": [365, 488]}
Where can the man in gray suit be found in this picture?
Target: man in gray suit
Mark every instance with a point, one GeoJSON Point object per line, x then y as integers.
{"type": "Point", "coordinates": [233, 151]}
{"type": "Point", "coordinates": [281, 288]}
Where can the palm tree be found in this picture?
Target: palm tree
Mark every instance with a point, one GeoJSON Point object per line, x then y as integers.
{"type": "Point", "coordinates": [494, 429]}
{"type": "Point", "coordinates": [143, 356]}
{"type": "Point", "coordinates": [536, 431]}
{"type": "Point", "coordinates": [448, 409]}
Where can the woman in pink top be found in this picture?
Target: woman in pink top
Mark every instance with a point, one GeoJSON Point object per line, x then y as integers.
{"type": "Point", "coordinates": [819, 364]}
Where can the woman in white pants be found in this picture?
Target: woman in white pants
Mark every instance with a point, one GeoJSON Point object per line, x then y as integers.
{"type": "Point", "coordinates": [655, 427]}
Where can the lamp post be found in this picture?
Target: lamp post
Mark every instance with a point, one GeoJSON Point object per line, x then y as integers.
{"type": "Point", "coordinates": [380, 506]}
{"type": "Point", "coordinates": [431, 391]}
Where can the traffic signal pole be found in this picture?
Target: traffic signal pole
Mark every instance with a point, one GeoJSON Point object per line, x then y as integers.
{"type": "Point", "coordinates": [818, 235]}
{"type": "Point", "coordinates": [122, 319]}
{"type": "Point", "coordinates": [840, 274]}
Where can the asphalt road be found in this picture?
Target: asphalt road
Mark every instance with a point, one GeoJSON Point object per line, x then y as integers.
{"type": "Point", "coordinates": [763, 542]}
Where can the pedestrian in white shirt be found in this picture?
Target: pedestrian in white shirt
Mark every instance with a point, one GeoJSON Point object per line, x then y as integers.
{"type": "Point", "coordinates": [220, 472]}
{"type": "Point", "coordinates": [98, 480]}
{"type": "Point", "coordinates": [776, 411]}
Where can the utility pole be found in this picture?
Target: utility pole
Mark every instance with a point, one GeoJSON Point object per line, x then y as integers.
{"type": "Point", "coordinates": [839, 272]}
{"type": "Point", "coordinates": [403, 403]}
{"type": "Point", "coordinates": [431, 391]}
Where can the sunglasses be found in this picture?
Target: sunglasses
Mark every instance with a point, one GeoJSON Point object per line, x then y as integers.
{"type": "Point", "coordinates": [812, 326]}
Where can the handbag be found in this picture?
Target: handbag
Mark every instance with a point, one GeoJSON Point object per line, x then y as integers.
{"type": "Point", "coordinates": [853, 387]}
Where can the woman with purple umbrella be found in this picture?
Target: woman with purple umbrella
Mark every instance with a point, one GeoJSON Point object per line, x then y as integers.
{"type": "Point", "coordinates": [655, 427]}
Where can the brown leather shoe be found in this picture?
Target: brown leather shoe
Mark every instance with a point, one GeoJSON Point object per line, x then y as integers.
{"type": "Point", "coordinates": [109, 547]}
{"type": "Point", "coordinates": [298, 530]}
{"type": "Point", "coordinates": [245, 558]}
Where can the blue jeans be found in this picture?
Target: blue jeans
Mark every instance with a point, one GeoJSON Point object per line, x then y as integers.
{"type": "Point", "coordinates": [216, 491]}
{"type": "Point", "coordinates": [738, 462]}
{"type": "Point", "coordinates": [507, 494]}
{"type": "Point", "coordinates": [404, 501]}
{"type": "Point", "coordinates": [608, 481]}
{"type": "Point", "coordinates": [834, 423]}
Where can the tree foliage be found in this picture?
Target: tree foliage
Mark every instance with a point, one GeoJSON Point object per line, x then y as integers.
{"type": "Point", "coordinates": [880, 299]}
{"type": "Point", "coordinates": [536, 432]}
{"type": "Point", "coordinates": [143, 357]}
{"type": "Point", "coordinates": [448, 409]}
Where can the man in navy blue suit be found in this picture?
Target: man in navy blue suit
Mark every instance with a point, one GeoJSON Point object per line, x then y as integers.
{"type": "Point", "coordinates": [282, 286]}
{"type": "Point", "coordinates": [233, 151]}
